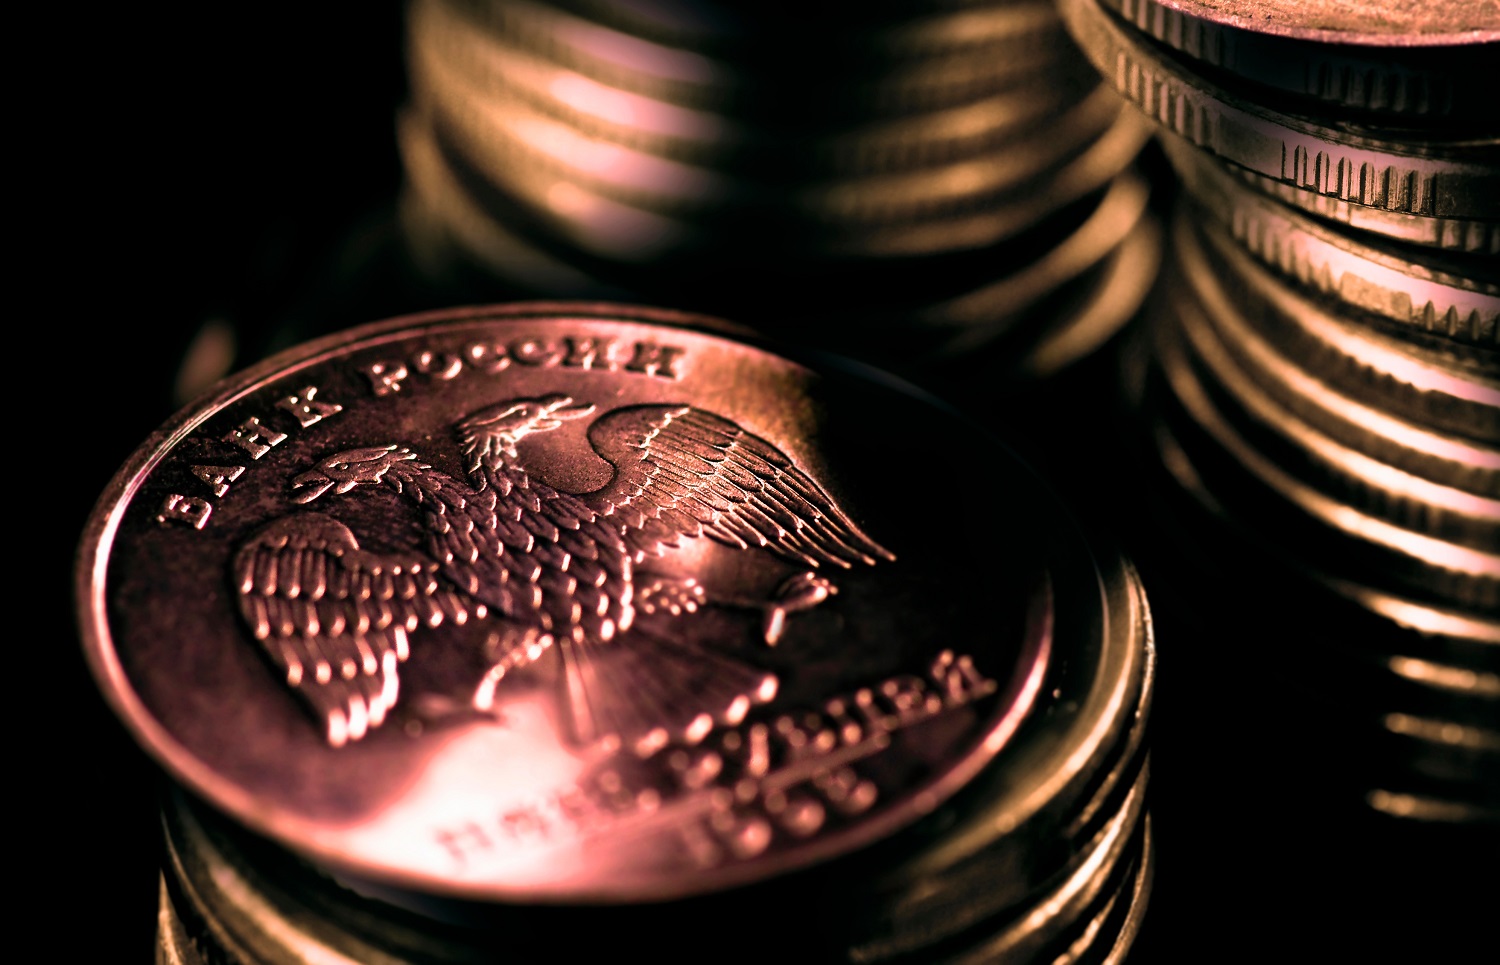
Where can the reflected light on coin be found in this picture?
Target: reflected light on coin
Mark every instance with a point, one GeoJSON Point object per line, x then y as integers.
{"type": "Point", "coordinates": [621, 167]}
{"type": "Point", "coordinates": [1426, 619]}
{"type": "Point", "coordinates": [518, 835]}
{"type": "Point", "coordinates": [633, 54]}
{"type": "Point", "coordinates": [617, 229]}
{"type": "Point", "coordinates": [589, 97]}
{"type": "Point", "coordinates": [1443, 732]}
{"type": "Point", "coordinates": [589, 723]}
{"type": "Point", "coordinates": [1459, 679]}
{"type": "Point", "coordinates": [1388, 359]}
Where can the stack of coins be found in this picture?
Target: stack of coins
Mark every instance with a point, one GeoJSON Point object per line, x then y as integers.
{"type": "Point", "coordinates": [945, 190]}
{"type": "Point", "coordinates": [1319, 392]}
{"type": "Point", "coordinates": [542, 631]}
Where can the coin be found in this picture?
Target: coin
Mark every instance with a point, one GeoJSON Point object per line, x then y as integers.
{"type": "Point", "coordinates": [1021, 40]}
{"type": "Point", "coordinates": [1440, 174]}
{"type": "Point", "coordinates": [1418, 289]}
{"type": "Point", "coordinates": [445, 226]}
{"type": "Point", "coordinates": [1417, 61]}
{"type": "Point", "coordinates": [1369, 426]}
{"type": "Point", "coordinates": [1339, 537]}
{"type": "Point", "coordinates": [524, 151]}
{"type": "Point", "coordinates": [1001, 299]}
{"type": "Point", "coordinates": [279, 598]}
{"type": "Point", "coordinates": [981, 857]}
{"type": "Point", "coordinates": [1346, 471]}
{"type": "Point", "coordinates": [1460, 234]}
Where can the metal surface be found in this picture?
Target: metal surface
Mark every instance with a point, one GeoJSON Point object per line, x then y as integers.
{"type": "Point", "coordinates": [1320, 524]}
{"type": "Point", "coordinates": [916, 77]}
{"type": "Point", "coordinates": [1414, 60]}
{"type": "Point", "coordinates": [1301, 379]}
{"type": "Point", "coordinates": [1457, 234]}
{"type": "Point", "coordinates": [1389, 26]}
{"type": "Point", "coordinates": [1443, 173]}
{"type": "Point", "coordinates": [550, 740]}
{"type": "Point", "coordinates": [1419, 290]}
{"type": "Point", "coordinates": [1448, 387]}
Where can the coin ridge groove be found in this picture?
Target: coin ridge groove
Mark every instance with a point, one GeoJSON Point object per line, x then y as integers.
{"type": "Point", "coordinates": [1341, 74]}
{"type": "Point", "coordinates": [1409, 177]}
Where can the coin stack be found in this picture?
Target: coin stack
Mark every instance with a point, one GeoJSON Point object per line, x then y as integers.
{"type": "Point", "coordinates": [1320, 394]}
{"type": "Point", "coordinates": [945, 190]}
{"type": "Point", "coordinates": [430, 680]}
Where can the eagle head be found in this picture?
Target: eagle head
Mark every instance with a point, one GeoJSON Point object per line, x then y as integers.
{"type": "Point", "coordinates": [353, 467]}
{"type": "Point", "coordinates": [496, 429]}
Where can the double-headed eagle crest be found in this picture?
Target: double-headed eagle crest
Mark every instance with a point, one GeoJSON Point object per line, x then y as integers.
{"type": "Point", "coordinates": [551, 570]}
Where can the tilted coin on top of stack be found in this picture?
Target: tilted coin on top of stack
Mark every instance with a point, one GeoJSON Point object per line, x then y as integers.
{"type": "Point", "coordinates": [1321, 386]}
{"type": "Point", "coordinates": [949, 189]}
{"type": "Point", "coordinates": [553, 629]}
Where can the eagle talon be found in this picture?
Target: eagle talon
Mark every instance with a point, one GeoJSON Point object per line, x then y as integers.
{"type": "Point", "coordinates": [801, 592]}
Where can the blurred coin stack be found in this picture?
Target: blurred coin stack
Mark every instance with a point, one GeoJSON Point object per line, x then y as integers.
{"type": "Point", "coordinates": [1321, 386]}
{"type": "Point", "coordinates": [945, 190]}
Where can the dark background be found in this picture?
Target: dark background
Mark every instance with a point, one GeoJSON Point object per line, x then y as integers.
{"type": "Point", "coordinates": [180, 163]}
{"type": "Point", "coordinates": [238, 163]}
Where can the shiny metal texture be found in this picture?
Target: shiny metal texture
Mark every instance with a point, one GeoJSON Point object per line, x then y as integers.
{"type": "Point", "coordinates": [1444, 173]}
{"type": "Point", "coordinates": [1329, 527]}
{"type": "Point", "coordinates": [1272, 391]}
{"type": "Point", "coordinates": [1458, 234]}
{"type": "Point", "coordinates": [1418, 289]}
{"type": "Point", "coordinates": [223, 897]}
{"type": "Point", "coordinates": [427, 643]}
{"type": "Point", "coordinates": [592, 150]}
{"type": "Point", "coordinates": [1306, 381]}
{"type": "Point", "coordinates": [1315, 382]}
{"type": "Point", "coordinates": [1416, 61]}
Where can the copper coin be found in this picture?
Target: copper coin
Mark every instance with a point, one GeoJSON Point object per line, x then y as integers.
{"type": "Point", "coordinates": [572, 602]}
{"type": "Point", "coordinates": [1406, 60]}
{"type": "Point", "coordinates": [1416, 289]}
{"type": "Point", "coordinates": [1440, 174]}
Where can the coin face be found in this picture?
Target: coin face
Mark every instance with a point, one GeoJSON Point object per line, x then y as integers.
{"type": "Point", "coordinates": [1405, 23]}
{"type": "Point", "coordinates": [572, 602]}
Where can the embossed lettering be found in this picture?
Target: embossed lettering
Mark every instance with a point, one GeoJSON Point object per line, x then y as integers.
{"type": "Point", "coordinates": [695, 768]}
{"type": "Point", "coordinates": [747, 784]}
{"type": "Point", "coordinates": [909, 700]}
{"type": "Point", "coordinates": [583, 353]}
{"type": "Point", "coordinates": [255, 438]}
{"type": "Point", "coordinates": [467, 837]}
{"type": "Point", "coordinates": [849, 730]}
{"type": "Point", "coordinates": [526, 823]}
{"type": "Point", "coordinates": [439, 365]}
{"type": "Point", "coordinates": [749, 748]}
{"type": "Point", "coordinates": [184, 509]}
{"type": "Point", "coordinates": [805, 736]}
{"type": "Point", "coordinates": [653, 359]}
{"type": "Point", "coordinates": [218, 478]}
{"type": "Point", "coordinates": [846, 790]}
{"type": "Point", "coordinates": [386, 377]}
{"type": "Point", "coordinates": [307, 411]}
{"type": "Point", "coordinates": [490, 358]}
{"type": "Point", "coordinates": [487, 357]}
{"type": "Point", "coordinates": [959, 680]}
{"type": "Point", "coordinates": [533, 351]}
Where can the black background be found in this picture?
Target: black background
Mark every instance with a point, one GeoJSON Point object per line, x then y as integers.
{"type": "Point", "coordinates": [223, 162]}
{"type": "Point", "coordinates": [180, 163]}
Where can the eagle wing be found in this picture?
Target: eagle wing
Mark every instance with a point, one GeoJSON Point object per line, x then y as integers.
{"type": "Point", "coordinates": [334, 618]}
{"type": "Point", "coordinates": [682, 471]}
